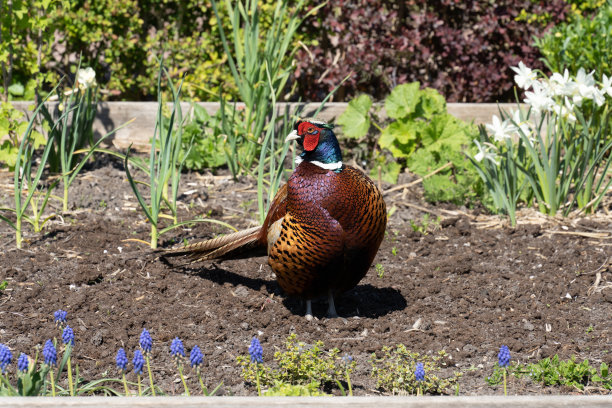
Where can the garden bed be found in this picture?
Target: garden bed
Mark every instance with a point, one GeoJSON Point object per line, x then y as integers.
{"type": "Point", "coordinates": [466, 284]}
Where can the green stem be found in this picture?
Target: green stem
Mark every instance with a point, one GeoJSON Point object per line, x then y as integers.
{"type": "Point", "coordinates": [348, 381]}
{"type": "Point", "coordinates": [149, 365]}
{"type": "Point", "coordinates": [505, 389]}
{"type": "Point", "coordinates": [127, 392]}
{"type": "Point", "coordinates": [70, 384]}
{"type": "Point", "coordinates": [257, 379]}
{"type": "Point", "coordinates": [154, 237]}
{"type": "Point", "coordinates": [204, 390]}
{"type": "Point", "coordinates": [180, 369]}
{"type": "Point", "coordinates": [52, 381]}
{"type": "Point", "coordinates": [139, 386]}
{"type": "Point", "coordinates": [18, 238]}
{"type": "Point", "coordinates": [65, 204]}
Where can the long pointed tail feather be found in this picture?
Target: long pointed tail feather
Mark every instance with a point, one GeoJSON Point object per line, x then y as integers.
{"type": "Point", "coordinates": [237, 245]}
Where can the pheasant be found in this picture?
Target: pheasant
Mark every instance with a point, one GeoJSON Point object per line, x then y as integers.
{"type": "Point", "coordinates": [323, 228]}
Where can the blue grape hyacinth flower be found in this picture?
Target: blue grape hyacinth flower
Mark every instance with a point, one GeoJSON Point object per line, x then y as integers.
{"type": "Point", "coordinates": [50, 353]}
{"type": "Point", "coordinates": [504, 356]}
{"type": "Point", "coordinates": [146, 342]}
{"type": "Point", "coordinates": [23, 363]}
{"type": "Point", "coordinates": [60, 317]}
{"type": "Point", "coordinates": [5, 357]}
{"type": "Point", "coordinates": [256, 351]}
{"type": "Point", "coordinates": [196, 358]}
{"type": "Point", "coordinates": [419, 372]}
{"type": "Point", "coordinates": [68, 336]}
{"type": "Point", "coordinates": [176, 348]}
{"type": "Point", "coordinates": [121, 360]}
{"type": "Point", "coordinates": [138, 362]}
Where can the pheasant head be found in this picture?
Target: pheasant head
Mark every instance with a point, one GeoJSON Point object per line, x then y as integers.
{"type": "Point", "coordinates": [319, 144]}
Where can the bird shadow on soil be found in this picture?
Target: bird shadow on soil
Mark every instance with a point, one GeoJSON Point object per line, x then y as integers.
{"type": "Point", "coordinates": [363, 301]}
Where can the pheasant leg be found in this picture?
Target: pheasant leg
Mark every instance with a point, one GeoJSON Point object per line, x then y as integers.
{"type": "Point", "coordinates": [309, 310]}
{"type": "Point", "coordinates": [331, 309]}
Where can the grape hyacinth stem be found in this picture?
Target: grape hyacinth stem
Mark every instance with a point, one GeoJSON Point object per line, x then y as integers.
{"type": "Point", "coordinates": [150, 374]}
{"type": "Point", "coordinates": [127, 391]}
{"type": "Point", "coordinates": [180, 370]}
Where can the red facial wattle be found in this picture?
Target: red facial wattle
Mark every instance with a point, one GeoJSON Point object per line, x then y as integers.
{"type": "Point", "coordinates": [311, 135]}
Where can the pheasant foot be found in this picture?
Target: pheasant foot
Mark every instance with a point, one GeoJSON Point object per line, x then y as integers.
{"type": "Point", "coordinates": [331, 309]}
{"type": "Point", "coordinates": [309, 310]}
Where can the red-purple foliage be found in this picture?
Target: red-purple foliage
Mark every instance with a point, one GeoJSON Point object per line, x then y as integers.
{"type": "Point", "coordinates": [461, 48]}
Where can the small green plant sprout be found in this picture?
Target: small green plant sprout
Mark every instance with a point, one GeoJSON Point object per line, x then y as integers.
{"type": "Point", "coordinates": [590, 329]}
{"type": "Point", "coordinates": [555, 372]}
{"type": "Point", "coordinates": [394, 372]}
{"type": "Point", "coordinates": [503, 361]}
{"type": "Point", "coordinates": [424, 226]}
{"type": "Point", "coordinates": [299, 364]}
{"type": "Point", "coordinates": [394, 251]}
{"type": "Point", "coordinates": [3, 285]}
{"type": "Point", "coordinates": [380, 270]}
{"type": "Point", "coordinates": [71, 134]}
{"type": "Point", "coordinates": [178, 352]}
{"type": "Point", "coordinates": [26, 185]}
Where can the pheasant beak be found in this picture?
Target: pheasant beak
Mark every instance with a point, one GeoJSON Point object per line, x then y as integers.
{"type": "Point", "coordinates": [292, 136]}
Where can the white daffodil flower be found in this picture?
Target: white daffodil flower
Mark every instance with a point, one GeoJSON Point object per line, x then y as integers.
{"type": "Point", "coordinates": [484, 153]}
{"type": "Point", "coordinates": [539, 99]}
{"type": "Point", "coordinates": [524, 77]}
{"type": "Point", "coordinates": [565, 111]}
{"type": "Point", "coordinates": [562, 85]}
{"type": "Point", "coordinates": [500, 130]}
{"type": "Point", "coordinates": [521, 126]}
{"type": "Point", "coordinates": [86, 78]}
{"type": "Point", "coordinates": [586, 86]}
{"type": "Point", "coordinates": [606, 85]}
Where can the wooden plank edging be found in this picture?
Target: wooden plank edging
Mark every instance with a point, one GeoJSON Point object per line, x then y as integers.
{"type": "Point", "coordinates": [139, 132]}
{"type": "Point", "coordinates": [533, 401]}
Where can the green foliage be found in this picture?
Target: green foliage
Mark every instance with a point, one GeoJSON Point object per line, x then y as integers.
{"type": "Point", "coordinates": [394, 371]}
{"type": "Point", "coordinates": [300, 364]}
{"type": "Point", "coordinates": [583, 41]}
{"type": "Point", "coordinates": [556, 372]}
{"type": "Point", "coordinates": [13, 124]}
{"type": "Point", "coordinates": [280, 389]}
{"type": "Point", "coordinates": [3, 285]}
{"type": "Point", "coordinates": [202, 144]}
{"type": "Point", "coordinates": [26, 43]}
{"type": "Point", "coordinates": [424, 136]}
{"type": "Point", "coordinates": [355, 120]}
{"type": "Point", "coordinates": [426, 225]}
{"type": "Point", "coordinates": [29, 384]}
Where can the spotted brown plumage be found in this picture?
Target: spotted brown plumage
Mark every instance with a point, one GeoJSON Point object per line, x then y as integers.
{"type": "Point", "coordinates": [323, 228]}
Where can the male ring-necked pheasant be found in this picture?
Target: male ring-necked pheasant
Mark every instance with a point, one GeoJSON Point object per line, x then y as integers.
{"type": "Point", "coordinates": [323, 228]}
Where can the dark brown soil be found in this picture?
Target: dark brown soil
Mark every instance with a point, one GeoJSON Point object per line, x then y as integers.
{"type": "Point", "coordinates": [467, 286]}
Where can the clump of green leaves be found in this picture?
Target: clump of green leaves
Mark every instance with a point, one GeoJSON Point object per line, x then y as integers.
{"type": "Point", "coordinates": [424, 226]}
{"type": "Point", "coordinates": [554, 371]}
{"type": "Point", "coordinates": [300, 364]}
{"type": "Point", "coordinates": [13, 125]}
{"type": "Point", "coordinates": [202, 142]}
{"type": "Point", "coordinates": [423, 136]}
{"type": "Point", "coordinates": [280, 389]}
{"type": "Point", "coordinates": [394, 371]}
